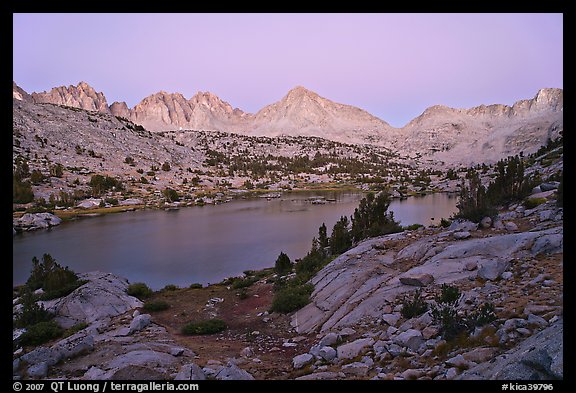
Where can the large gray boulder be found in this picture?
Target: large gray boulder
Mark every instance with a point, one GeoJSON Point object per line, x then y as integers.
{"type": "Point", "coordinates": [31, 221]}
{"type": "Point", "coordinates": [352, 349]}
{"type": "Point", "coordinates": [302, 360]}
{"type": "Point", "coordinates": [103, 296]}
{"type": "Point", "coordinates": [411, 338]}
{"type": "Point", "coordinates": [139, 323]}
{"type": "Point", "coordinates": [233, 372]}
{"type": "Point", "coordinates": [538, 357]}
{"type": "Point", "coordinates": [190, 372]}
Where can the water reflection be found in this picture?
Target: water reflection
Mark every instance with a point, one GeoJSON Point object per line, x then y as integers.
{"type": "Point", "coordinates": [203, 244]}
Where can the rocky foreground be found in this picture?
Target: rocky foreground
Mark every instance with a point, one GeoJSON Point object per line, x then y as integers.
{"type": "Point", "coordinates": [352, 329]}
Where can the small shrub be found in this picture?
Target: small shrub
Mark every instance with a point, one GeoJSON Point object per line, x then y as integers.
{"type": "Point", "coordinates": [415, 306]}
{"type": "Point", "coordinates": [196, 286]}
{"type": "Point", "coordinates": [452, 324]}
{"type": "Point", "coordinates": [32, 312]}
{"type": "Point", "coordinates": [139, 290]}
{"type": "Point", "coordinates": [170, 287]}
{"type": "Point", "coordinates": [445, 223]}
{"type": "Point", "coordinates": [171, 195]}
{"type": "Point", "coordinates": [40, 333]}
{"type": "Point", "coordinates": [243, 293]}
{"type": "Point", "coordinates": [292, 298]}
{"type": "Point", "coordinates": [413, 227]}
{"type": "Point", "coordinates": [75, 329]}
{"type": "Point", "coordinates": [166, 166]}
{"type": "Point", "coordinates": [62, 291]}
{"type": "Point", "coordinates": [482, 316]}
{"type": "Point", "coordinates": [449, 294]}
{"type": "Point", "coordinates": [243, 282]}
{"type": "Point", "coordinates": [531, 203]}
{"type": "Point", "coordinates": [209, 326]}
{"type": "Point", "coordinates": [156, 305]}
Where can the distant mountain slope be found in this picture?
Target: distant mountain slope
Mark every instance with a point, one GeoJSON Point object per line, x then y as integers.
{"type": "Point", "coordinates": [484, 133]}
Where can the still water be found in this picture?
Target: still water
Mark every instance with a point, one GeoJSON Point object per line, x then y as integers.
{"type": "Point", "coordinates": [203, 244]}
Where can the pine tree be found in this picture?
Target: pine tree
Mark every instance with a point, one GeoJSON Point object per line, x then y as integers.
{"type": "Point", "coordinates": [283, 264]}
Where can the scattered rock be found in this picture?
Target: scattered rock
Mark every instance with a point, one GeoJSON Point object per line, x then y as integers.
{"type": "Point", "coordinates": [247, 352]}
{"type": "Point", "coordinates": [459, 362]}
{"type": "Point", "coordinates": [354, 348]}
{"type": "Point", "coordinates": [142, 358]}
{"type": "Point", "coordinates": [139, 323]}
{"type": "Point", "coordinates": [328, 353]}
{"type": "Point", "coordinates": [324, 375]}
{"type": "Point", "coordinates": [190, 372]}
{"type": "Point", "coordinates": [451, 373]}
{"type": "Point", "coordinates": [347, 331]}
{"type": "Point", "coordinates": [390, 319]}
{"type": "Point", "coordinates": [536, 320]}
{"type": "Point", "coordinates": [461, 235]}
{"type": "Point", "coordinates": [553, 185]}
{"type": "Point", "coordinates": [462, 225]}
{"type": "Point", "coordinates": [233, 372]}
{"type": "Point", "coordinates": [480, 355]}
{"type": "Point", "coordinates": [412, 374]}
{"type": "Point", "coordinates": [411, 338]}
{"type": "Point", "coordinates": [491, 269]}
{"type": "Point", "coordinates": [420, 280]}
{"type": "Point", "coordinates": [177, 352]}
{"type": "Point", "coordinates": [329, 339]}
{"type": "Point", "coordinates": [302, 360]}
{"type": "Point", "coordinates": [486, 222]}
{"type": "Point", "coordinates": [75, 345]}
{"type": "Point", "coordinates": [358, 369]}
{"type": "Point", "coordinates": [538, 357]}
{"type": "Point", "coordinates": [506, 275]}
{"type": "Point", "coordinates": [38, 371]}
{"type": "Point", "coordinates": [511, 226]}
{"type": "Point", "coordinates": [471, 266]}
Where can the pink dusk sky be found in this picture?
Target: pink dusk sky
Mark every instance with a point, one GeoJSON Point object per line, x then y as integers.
{"type": "Point", "coordinates": [391, 65]}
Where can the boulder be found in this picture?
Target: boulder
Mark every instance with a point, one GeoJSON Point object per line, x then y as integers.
{"type": "Point", "coordinates": [31, 221]}
{"type": "Point", "coordinates": [302, 360]}
{"type": "Point", "coordinates": [480, 355]}
{"type": "Point", "coordinates": [190, 372]}
{"type": "Point", "coordinates": [539, 357]}
{"type": "Point", "coordinates": [511, 226]}
{"type": "Point", "coordinates": [491, 269]}
{"type": "Point", "coordinates": [233, 372]}
{"type": "Point", "coordinates": [390, 319]}
{"type": "Point", "coordinates": [247, 352]}
{"type": "Point", "coordinates": [411, 338]}
{"type": "Point", "coordinates": [329, 339]}
{"type": "Point", "coordinates": [486, 222]}
{"type": "Point", "coordinates": [103, 296]}
{"type": "Point", "coordinates": [139, 323]}
{"type": "Point", "coordinates": [143, 358]}
{"type": "Point", "coordinates": [322, 375]}
{"type": "Point", "coordinates": [328, 353]}
{"type": "Point", "coordinates": [461, 235]}
{"type": "Point", "coordinates": [358, 369]}
{"type": "Point", "coordinates": [352, 349]}
{"type": "Point", "coordinates": [75, 345]}
{"type": "Point", "coordinates": [420, 280]}
{"type": "Point", "coordinates": [553, 185]}
{"type": "Point", "coordinates": [42, 355]}
{"type": "Point", "coordinates": [459, 362]}
{"type": "Point", "coordinates": [131, 201]}
{"type": "Point", "coordinates": [462, 225]}
{"type": "Point", "coordinates": [38, 371]}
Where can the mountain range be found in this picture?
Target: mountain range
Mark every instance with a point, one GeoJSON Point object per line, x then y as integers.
{"type": "Point", "coordinates": [484, 133]}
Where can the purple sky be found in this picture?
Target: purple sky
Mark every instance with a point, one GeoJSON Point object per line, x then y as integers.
{"type": "Point", "coordinates": [392, 65]}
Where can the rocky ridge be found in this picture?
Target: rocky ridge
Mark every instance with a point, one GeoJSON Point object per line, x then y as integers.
{"type": "Point", "coordinates": [441, 134]}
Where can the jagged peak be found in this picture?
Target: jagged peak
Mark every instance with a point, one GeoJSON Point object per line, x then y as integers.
{"type": "Point", "coordinates": [300, 91]}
